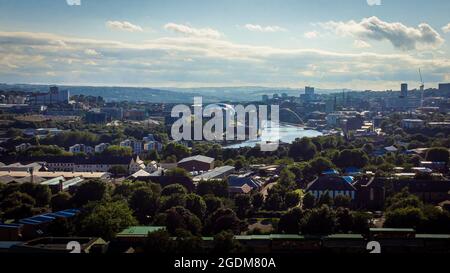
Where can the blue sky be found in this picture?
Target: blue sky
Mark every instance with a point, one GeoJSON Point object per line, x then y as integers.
{"type": "Point", "coordinates": [193, 43]}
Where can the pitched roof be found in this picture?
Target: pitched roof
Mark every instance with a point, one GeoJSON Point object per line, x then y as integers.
{"type": "Point", "coordinates": [325, 183]}
{"type": "Point", "coordinates": [55, 174]}
{"type": "Point", "coordinates": [237, 181]}
{"type": "Point", "coordinates": [140, 173]}
{"type": "Point", "coordinates": [79, 160]}
{"type": "Point", "coordinates": [217, 172]}
{"type": "Point", "coordinates": [242, 189]}
{"type": "Point", "coordinates": [200, 158]}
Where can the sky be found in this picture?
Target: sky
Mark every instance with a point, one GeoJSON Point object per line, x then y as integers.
{"type": "Point", "coordinates": [353, 44]}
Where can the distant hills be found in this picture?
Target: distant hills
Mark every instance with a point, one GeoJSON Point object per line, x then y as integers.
{"type": "Point", "coordinates": [167, 95]}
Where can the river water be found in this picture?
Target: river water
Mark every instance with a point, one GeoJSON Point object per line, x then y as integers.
{"type": "Point", "coordinates": [284, 133]}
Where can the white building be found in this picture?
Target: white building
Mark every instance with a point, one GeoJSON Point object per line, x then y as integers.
{"type": "Point", "coordinates": [137, 146]}
{"type": "Point", "coordinates": [333, 118]}
{"type": "Point", "coordinates": [81, 148]}
{"type": "Point", "coordinates": [100, 148]}
{"type": "Point", "coordinates": [153, 146]}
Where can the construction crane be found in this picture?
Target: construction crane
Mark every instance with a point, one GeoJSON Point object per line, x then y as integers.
{"type": "Point", "coordinates": [422, 88]}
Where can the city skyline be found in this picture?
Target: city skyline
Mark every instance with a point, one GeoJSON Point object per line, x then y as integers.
{"type": "Point", "coordinates": [360, 45]}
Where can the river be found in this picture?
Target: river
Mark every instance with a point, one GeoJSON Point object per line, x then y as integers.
{"type": "Point", "coordinates": [285, 133]}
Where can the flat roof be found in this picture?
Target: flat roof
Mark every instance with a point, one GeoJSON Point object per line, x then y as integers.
{"type": "Point", "coordinates": [139, 231]}
{"type": "Point", "coordinates": [215, 172]}
{"type": "Point", "coordinates": [201, 158]}
{"type": "Point", "coordinates": [344, 236]}
{"type": "Point", "coordinates": [55, 174]}
{"type": "Point", "coordinates": [433, 236]}
{"type": "Point", "coordinates": [392, 230]}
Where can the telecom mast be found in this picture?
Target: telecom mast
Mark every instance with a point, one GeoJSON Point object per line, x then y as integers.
{"type": "Point", "coordinates": [422, 88]}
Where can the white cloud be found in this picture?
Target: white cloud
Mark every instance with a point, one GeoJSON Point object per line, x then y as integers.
{"type": "Point", "coordinates": [91, 52]}
{"type": "Point", "coordinates": [361, 44]}
{"type": "Point", "coordinates": [195, 32]}
{"type": "Point", "coordinates": [124, 26]}
{"type": "Point", "coordinates": [374, 2]}
{"type": "Point", "coordinates": [259, 28]}
{"type": "Point", "coordinates": [311, 35]}
{"type": "Point", "coordinates": [446, 28]}
{"type": "Point", "coordinates": [401, 36]}
{"type": "Point", "coordinates": [73, 2]}
{"type": "Point", "coordinates": [181, 61]}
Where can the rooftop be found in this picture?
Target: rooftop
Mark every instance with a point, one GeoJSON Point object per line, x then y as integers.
{"type": "Point", "coordinates": [200, 158]}
{"type": "Point", "coordinates": [55, 174]}
{"type": "Point", "coordinates": [214, 173]}
{"type": "Point", "coordinates": [139, 231]}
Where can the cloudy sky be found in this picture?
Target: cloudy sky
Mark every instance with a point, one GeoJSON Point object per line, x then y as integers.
{"type": "Point", "coordinates": [357, 44]}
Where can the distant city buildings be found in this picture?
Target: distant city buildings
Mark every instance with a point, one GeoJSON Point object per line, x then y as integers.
{"type": "Point", "coordinates": [112, 113]}
{"type": "Point", "coordinates": [309, 93]}
{"type": "Point", "coordinates": [54, 96]}
{"type": "Point", "coordinates": [404, 90]}
{"type": "Point", "coordinates": [412, 123]}
{"type": "Point", "coordinates": [444, 87]}
{"type": "Point", "coordinates": [96, 118]}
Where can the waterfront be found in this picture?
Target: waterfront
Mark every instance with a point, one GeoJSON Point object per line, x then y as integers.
{"type": "Point", "coordinates": [284, 133]}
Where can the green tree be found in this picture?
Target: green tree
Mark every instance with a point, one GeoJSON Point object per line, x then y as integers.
{"type": "Point", "coordinates": [60, 201]}
{"type": "Point", "coordinates": [351, 158]}
{"type": "Point", "coordinates": [145, 204]}
{"type": "Point", "coordinates": [40, 193]}
{"type": "Point", "coordinates": [217, 188]}
{"type": "Point", "coordinates": [408, 217]}
{"type": "Point", "coordinates": [213, 203]}
{"type": "Point", "coordinates": [439, 154]}
{"type": "Point", "coordinates": [274, 201]}
{"type": "Point", "coordinates": [344, 201]}
{"type": "Point", "coordinates": [181, 218]}
{"type": "Point", "coordinates": [223, 220]}
{"type": "Point", "coordinates": [243, 204]}
{"type": "Point", "coordinates": [292, 199]}
{"type": "Point", "coordinates": [344, 220]}
{"type": "Point", "coordinates": [196, 205]}
{"type": "Point", "coordinates": [174, 200]}
{"type": "Point", "coordinates": [287, 180]}
{"type": "Point", "coordinates": [173, 189]}
{"type": "Point", "coordinates": [319, 221]}
{"type": "Point", "coordinates": [117, 151]}
{"type": "Point", "coordinates": [105, 219]}
{"type": "Point", "coordinates": [94, 190]}
{"type": "Point", "coordinates": [17, 205]}
{"type": "Point", "coordinates": [177, 150]}
{"type": "Point", "coordinates": [224, 243]}
{"type": "Point", "coordinates": [302, 149]}
{"type": "Point", "coordinates": [118, 171]}
{"type": "Point", "coordinates": [290, 221]}
{"type": "Point", "coordinates": [319, 165]}
{"type": "Point", "coordinates": [159, 242]}
{"type": "Point", "coordinates": [257, 200]}
{"type": "Point", "coordinates": [308, 201]}
{"type": "Point", "coordinates": [360, 222]}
